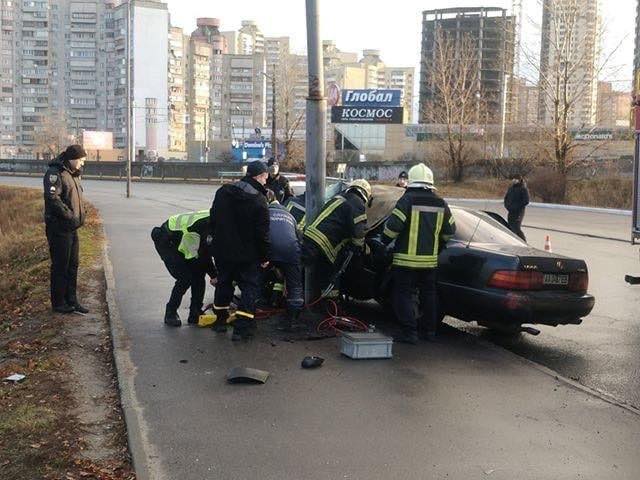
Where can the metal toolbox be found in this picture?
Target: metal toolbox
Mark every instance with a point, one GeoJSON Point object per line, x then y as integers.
{"type": "Point", "coordinates": [366, 345]}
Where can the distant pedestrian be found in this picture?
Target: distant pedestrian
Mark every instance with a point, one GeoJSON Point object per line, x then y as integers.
{"type": "Point", "coordinates": [403, 180]}
{"type": "Point", "coordinates": [240, 228]}
{"type": "Point", "coordinates": [63, 215]}
{"type": "Point", "coordinates": [516, 201]}
{"type": "Point", "coordinates": [278, 183]}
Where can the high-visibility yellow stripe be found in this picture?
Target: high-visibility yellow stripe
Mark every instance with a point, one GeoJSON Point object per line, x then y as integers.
{"type": "Point", "coordinates": [357, 241]}
{"type": "Point", "coordinates": [398, 213]}
{"type": "Point", "coordinates": [217, 307]}
{"type": "Point", "coordinates": [361, 218]}
{"type": "Point", "coordinates": [436, 239]}
{"type": "Point", "coordinates": [322, 242]}
{"type": "Point", "coordinates": [390, 233]}
{"type": "Point", "coordinates": [245, 314]}
{"type": "Point", "coordinates": [415, 261]}
{"type": "Point", "coordinates": [410, 264]}
{"type": "Point", "coordinates": [328, 211]}
{"type": "Point", "coordinates": [413, 232]}
{"type": "Point", "coordinates": [278, 287]}
{"type": "Point", "coordinates": [452, 221]}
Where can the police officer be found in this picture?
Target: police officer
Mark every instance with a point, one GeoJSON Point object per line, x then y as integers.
{"type": "Point", "coordinates": [278, 184]}
{"type": "Point", "coordinates": [64, 214]}
{"type": "Point", "coordinates": [342, 222]}
{"type": "Point", "coordinates": [240, 228]}
{"type": "Point", "coordinates": [516, 201]}
{"type": "Point", "coordinates": [184, 245]}
{"type": "Point", "coordinates": [420, 224]}
{"type": "Point", "coordinates": [285, 256]}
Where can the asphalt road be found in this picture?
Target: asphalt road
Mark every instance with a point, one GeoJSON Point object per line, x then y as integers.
{"type": "Point", "coordinates": [456, 409]}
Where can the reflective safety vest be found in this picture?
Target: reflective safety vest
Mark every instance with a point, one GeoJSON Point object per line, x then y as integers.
{"type": "Point", "coordinates": [298, 211]}
{"type": "Point", "coordinates": [190, 241]}
{"type": "Point", "coordinates": [342, 220]}
{"type": "Point", "coordinates": [419, 223]}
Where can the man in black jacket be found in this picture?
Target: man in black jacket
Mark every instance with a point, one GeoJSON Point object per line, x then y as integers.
{"type": "Point", "coordinates": [515, 201]}
{"type": "Point", "coordinates": [240, 228]}
{"type": "Point", "coordinates": [278, 184]}
{"type": "Point", "coordinates": [184, 245]}
{"type": "Point", "coordinates": [64, 215]}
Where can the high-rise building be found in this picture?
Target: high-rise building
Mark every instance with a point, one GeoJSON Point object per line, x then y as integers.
{"type": "Point", "coordinates": [244, 94]}
{"type": "Point", "coordinates": [613, 106]}
{"type": "Point", "coordinates": [526, 110]}
{"type": "Point", "coordinates": [581, 50]}
{"type": "Point", "coordinates": [493, 33]}
{"type": "Point", "coordinates": [246, 41]}
{"type": "Point", "coordinates": [177, 77]}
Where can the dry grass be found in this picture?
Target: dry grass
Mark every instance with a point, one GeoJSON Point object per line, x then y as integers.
{"type": "Point", "coordinates": [39, 436]}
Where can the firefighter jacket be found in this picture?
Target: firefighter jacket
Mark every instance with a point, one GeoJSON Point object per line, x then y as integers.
{"type": "Point", "coordinates": [63, 203]}
{"type": "Point", "coordinates": [342, 221]}
{"type": "Point", "coordinates": [420, 223]}
{"type": "Point", "coordinates": [279, 185]}
{"type": "Point", "coordinates": [295, 206]}
{"type": "Point", "coordinates": [283, 235]}
{"type": "Point", "coordinates": [240, 223]}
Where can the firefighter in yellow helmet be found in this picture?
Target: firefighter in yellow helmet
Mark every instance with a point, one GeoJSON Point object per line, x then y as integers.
{"type": "Point", "coordinates": [341, 224]}
{"type": "Point", "coordinates": [420, 224]}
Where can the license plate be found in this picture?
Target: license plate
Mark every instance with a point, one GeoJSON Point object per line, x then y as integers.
{"type": "Point", "coordinates": [555, 279]}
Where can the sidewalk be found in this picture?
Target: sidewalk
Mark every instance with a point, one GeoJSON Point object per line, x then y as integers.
{"type": "Point", "coordinates": [457, 409]}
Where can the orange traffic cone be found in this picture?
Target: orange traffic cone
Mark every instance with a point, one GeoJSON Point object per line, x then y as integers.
{"type": "Point", "coordinates": [547, 244]}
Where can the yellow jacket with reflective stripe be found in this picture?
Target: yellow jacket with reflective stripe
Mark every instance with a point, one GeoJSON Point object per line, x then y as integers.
{"type": "Point", "coordinates": [419, 223]}
{"type": "Point", "coordinates": [343, 220]}
{"type": "Point", "coordinates": [192, 226]}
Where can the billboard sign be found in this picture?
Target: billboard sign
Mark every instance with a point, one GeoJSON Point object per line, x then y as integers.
{"type": "Point", "coordinates": [368, 114]}
{"type": "Point", "coordinates": [372, 98]}
{"type": "Point", "coordinates": [93, 140]}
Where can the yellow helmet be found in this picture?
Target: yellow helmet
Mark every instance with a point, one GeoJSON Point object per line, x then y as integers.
{"type": "Point", "coordinates": [363, 186]}
{"type": "Point", "coordinates": [420, 173]}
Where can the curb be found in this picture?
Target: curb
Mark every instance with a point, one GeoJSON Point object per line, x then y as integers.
{"type": "Point", "coordinates": [605, 397]}
{"type": "Point", "coordinates": [144, 457]}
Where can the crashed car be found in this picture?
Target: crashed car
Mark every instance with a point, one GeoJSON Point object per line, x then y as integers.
{"type": "Point", "coordinates": [486, 273]}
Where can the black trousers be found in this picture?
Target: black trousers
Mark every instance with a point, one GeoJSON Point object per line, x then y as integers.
{"type": "Point", "coordinates": [314, 258]}
{"type": "Point", "coordinates": [293, 281]}
{"type": "Point", "coordinates": [64, 250]}
{"type": "Point", "coordinates": [247, 277]}
{"type": "Point", "coordinates": [515, 223]}
{"type": "Point", "coordinates": [189, 274]}
{"type": "Point", "coordinates": [405, 282]}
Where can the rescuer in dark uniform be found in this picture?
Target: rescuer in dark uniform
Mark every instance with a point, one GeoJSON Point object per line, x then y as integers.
{"type": "Point", "coordinates": [296, 207]}
{"type": "Point", "coordinates": [240, 228]}
{"type": "Point", "coordinates": [64, 214]}
{"type": "Point", "coordinates": [516, 201]}
{"type": "Point", "coordinates": [184, 245]}
{"type": "Point", "coordinates": [285, 256]}
{"type": "Point", "coordinates": [341, 223]}
{"type": "Point", "coordinates": [420, 224]}
{"type": "Point", "coordinates": [278, 184]}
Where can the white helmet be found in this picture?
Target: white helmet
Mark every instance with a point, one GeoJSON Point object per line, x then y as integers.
{"type": "Point", "coordinates": [363, 187]}
{"type": "Point", "coordinates": [421, 174]}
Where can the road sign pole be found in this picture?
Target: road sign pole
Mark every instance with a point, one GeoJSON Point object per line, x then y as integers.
{"type": "Point", "coordinates": [316, 126]}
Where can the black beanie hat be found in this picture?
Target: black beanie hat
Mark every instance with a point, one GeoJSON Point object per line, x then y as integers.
{"type": "Point", "coordinates": [256, 168]}
{"type": "Point", "coordinates": [73, 152]}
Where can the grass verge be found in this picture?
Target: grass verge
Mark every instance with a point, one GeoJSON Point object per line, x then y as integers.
{"type": "Point", "coordinates": [41, 434]}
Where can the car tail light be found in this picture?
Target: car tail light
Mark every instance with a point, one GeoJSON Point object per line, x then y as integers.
{"type": "Point", "coordinates": [516, 280]}
{"type": "Point", "coordinates": [579, 282]}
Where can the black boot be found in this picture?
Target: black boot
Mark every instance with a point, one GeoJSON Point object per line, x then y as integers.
{"type": "Point", "coordinates": [171, 317]}
{"type": "Point", "coordinates": [290, 321]}
{"type": "Point", "coordinates": [220, 324]}
{"type": "Point", "coordinates": [240, 334]}
{"type": "Point", "coordinates": [64, 308]}
{"type": "Point", "coordinates": [194, 317]}
{"type": "Point", "coordinates": [407, 336]}
{"type": "Point", "coordinates": [77, 307]}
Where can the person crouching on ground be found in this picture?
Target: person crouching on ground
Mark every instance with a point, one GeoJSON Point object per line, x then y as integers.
{"type": "Point", "coordinates": [184, 245]}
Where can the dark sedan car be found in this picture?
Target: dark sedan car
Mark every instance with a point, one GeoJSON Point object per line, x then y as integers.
{"type": "Point", "coordinates": [487, 274]}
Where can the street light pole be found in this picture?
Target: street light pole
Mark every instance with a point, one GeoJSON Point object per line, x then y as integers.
{"type": "Point", "coordinates": [315, 166]}
{"type": "Point", "coordinates": [130, 116]}
{"type": "Point", "coordinates": [274, 138]}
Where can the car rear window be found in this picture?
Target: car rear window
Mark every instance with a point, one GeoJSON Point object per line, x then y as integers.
{"type": "Point", "coordinates": [482, 228]}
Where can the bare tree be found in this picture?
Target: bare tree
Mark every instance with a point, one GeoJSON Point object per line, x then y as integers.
{"type": "Point", "coordinates": [567, 70]}
{"type": "Point", "coordinates": [289, 115]}
{"type": "Point", "coordinates": [453, 97]}
{"type": "Point", "coordinates": [51, 137]}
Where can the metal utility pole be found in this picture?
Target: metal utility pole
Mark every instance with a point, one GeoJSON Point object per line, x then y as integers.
{"type": "Point", "coordinates": [205, 153]}
{"type": "Point", "coordinates": [130, 116]}
{"type": "Point", "coordinates": [315, 168]}
{"type": "Point", "coordinates": [274, 138]}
